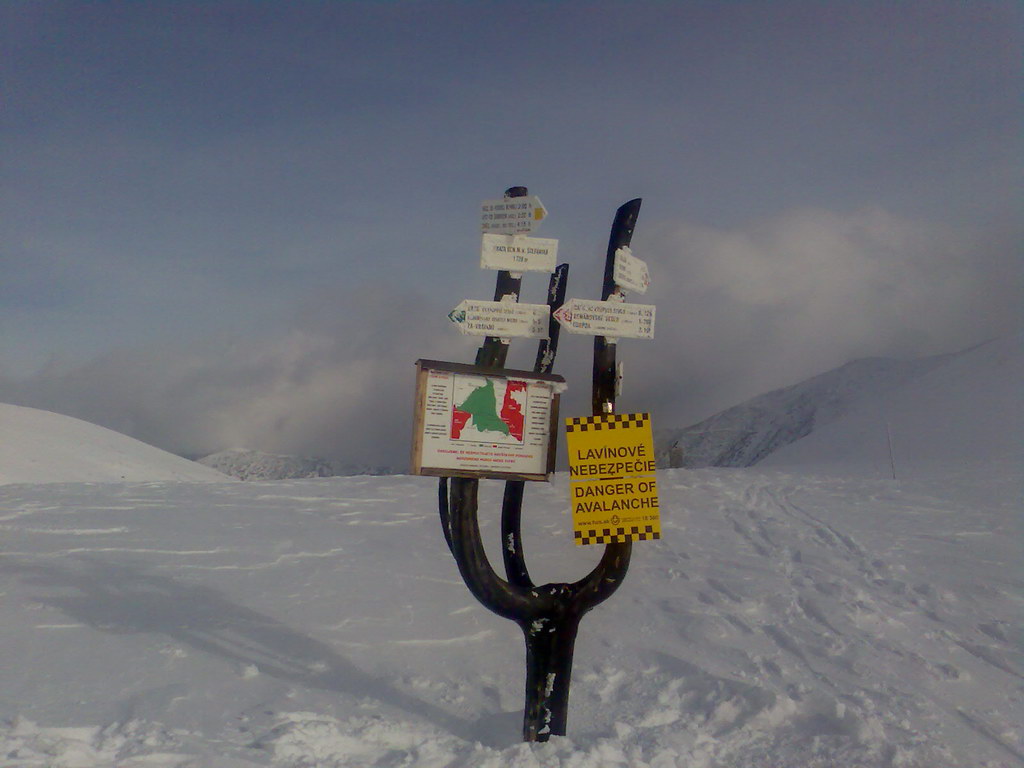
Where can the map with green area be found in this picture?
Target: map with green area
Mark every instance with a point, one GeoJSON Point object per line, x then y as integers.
{"type": "Point", "coordinates": [477, 416]}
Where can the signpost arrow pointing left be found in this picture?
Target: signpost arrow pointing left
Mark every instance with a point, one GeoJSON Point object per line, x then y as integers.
{"type": "Point", "coordinates": [504, 319]}
{"type": "Point", "coordinates": [614, 319]}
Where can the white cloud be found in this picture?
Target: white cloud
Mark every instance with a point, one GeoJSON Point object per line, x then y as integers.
{"type": "Point", "coordinates": [740, 311]}
{"type": "Point", "coordinates": [745, 310]}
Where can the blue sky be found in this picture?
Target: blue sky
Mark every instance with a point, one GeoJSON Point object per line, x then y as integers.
{"type": "Point", "coordinates": [230, 223]}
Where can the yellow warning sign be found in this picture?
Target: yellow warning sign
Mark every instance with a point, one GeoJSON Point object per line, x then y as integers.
{"type": "Point", "coordinates": [615, 445]}
{"type": "Point", "coordinates": [604, 511]}
{"type": "Point", "coordinates": [612, 478]}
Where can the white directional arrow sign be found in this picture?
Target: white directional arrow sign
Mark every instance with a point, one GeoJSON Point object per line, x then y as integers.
{"type": "Point", "coordinates": [511, 215]}
{"type": "Point", "coordinates": [614, 319]}
{"type": "Point", "coordinates": [630, 272]}
{"type": "Point", "coordinates": [504, 319]}
{"type": "Point", "coordinates": [516, 253]}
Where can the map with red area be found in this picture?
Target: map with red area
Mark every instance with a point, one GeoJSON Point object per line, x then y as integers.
{"type": "Point", "coordinates": [512, 410]}
{"type": "Point", "coordinates": [459, 421]}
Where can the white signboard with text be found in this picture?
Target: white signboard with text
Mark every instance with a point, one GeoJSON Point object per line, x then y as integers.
{"type": "Point", "coordinates": [511, 215]}
{"type": "Point", "coordinates": [631, 273]}
{"type": "Point", "coordinates": [484, 422]}
{"type": "Point", "coordinates": [614, 319]}
{"type": "Point", "coordinates": [505, 319]}
{"type": "Point", "coordinates": [516, 253]}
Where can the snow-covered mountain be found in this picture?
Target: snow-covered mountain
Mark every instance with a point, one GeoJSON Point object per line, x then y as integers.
{"type": "Point", "coordinates": [745, 434]}
{"type": "Point", "coordinates": [257, 465]}
{"type": "Point", "coordinates": [43, 447]}
{"type": "Point", "coordinates": [967, 410]}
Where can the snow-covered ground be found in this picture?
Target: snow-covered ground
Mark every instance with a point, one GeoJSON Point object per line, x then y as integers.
{"type": "Point", "coordinates": [784, 620]}
{"type": "Point", "coordinates": [793, 617]}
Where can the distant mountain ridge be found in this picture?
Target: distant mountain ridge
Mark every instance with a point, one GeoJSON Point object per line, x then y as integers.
{"type": "Point", "coordinates": [743, 435]}
{"type": "Point", "coordinates": [256, 465]}
{"type": "Point", "coordinates": [966, 412]}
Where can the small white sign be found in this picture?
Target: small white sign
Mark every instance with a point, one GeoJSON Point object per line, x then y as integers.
{"type": "Point", "coordinates": [511, 215]}
{"type": "Point", "coordinates": [516, 253]}
{"type": "Point", "coordinates": [504, 319]}
{"type": "Point", "coordinates": [614, 319]}
{"type": "Point", "coordinates": [631, 273]}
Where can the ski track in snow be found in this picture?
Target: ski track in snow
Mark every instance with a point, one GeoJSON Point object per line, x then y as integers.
{"type": "Point", "coordinates": [783, 620]}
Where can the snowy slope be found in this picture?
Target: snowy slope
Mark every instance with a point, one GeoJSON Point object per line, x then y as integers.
{"type": "Point", "coordinates": [43, 447]}
{"type": "Point", "coordinates": [782, 621]}
{"type": "Point", "coordinates": [745, 434]}
{"type": "Point", "coordinates": [969, 410]}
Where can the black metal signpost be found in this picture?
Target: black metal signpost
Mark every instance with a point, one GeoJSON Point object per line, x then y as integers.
{"type": "Point", "coordinates": [548, 614]}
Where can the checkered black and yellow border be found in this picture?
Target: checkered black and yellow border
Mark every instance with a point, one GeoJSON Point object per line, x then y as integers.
{"type": "Point", "coordinates": [616, 535]}
{"type": "Point", "coordinates": [609, 421]}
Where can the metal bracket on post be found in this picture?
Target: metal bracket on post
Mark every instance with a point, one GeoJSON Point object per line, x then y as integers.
{"type": "Point", "coordinates": [549, 614]}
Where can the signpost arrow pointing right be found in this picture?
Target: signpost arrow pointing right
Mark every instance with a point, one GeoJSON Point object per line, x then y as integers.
{"type": "Point", "coordinates": [512, 215]}
{"type": "Point", "coordinates": [631, 273]}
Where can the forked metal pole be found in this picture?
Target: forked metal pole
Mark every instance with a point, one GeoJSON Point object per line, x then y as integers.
{"type": "Point", "coordinates": [549, 614]}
